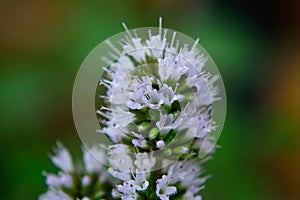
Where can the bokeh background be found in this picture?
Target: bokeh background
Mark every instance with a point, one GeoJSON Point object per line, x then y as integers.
{"type": "Point", "coordinates": [254, 43]}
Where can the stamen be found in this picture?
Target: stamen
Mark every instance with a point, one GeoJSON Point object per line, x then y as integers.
{"type": "Point", "coordinates": [165, 33]}
{"type": "Point", "coordinates": [105, 84]}
{"type": "Point", "coordinates": [173, 38]}
{"type": "Point", "coordinates": [107, 70]}
{"type": "Point", "coordinates": [103, 121]}
{"type": "Point", "coordinates": [123, 42]}
{"type": "Point", "coordinates": [177, 84]}
{"type": "Point", "coordinates": [150, 33]}
{"type": "Point", "coordinates": [112, 46]}
{"type": "Point", "coordinates": [103, 97]}
{"type": "Point", "coordinates": [129, 40]}
{"type": "Point", "coordinates": [160, 26]}
{"type": "Point", "coordinates": [195, 44]}
{"type": "Point", "coordinates": [105, 108]}
{"type": "Point", "coordinates": [213, 79]}
{"type": "Point", "coordinates": [100, 131]}
{"type": "Point", "coordinates": [127, 31]}
{"type": "Point", "coordinates": [113, 55]}
{"type": "Point", "coordinates": [107, 116]}
{"type": "Point", "coordinates": [135, 33]}
{"type": "Point", "coordinates": [177, 45]}
{"type": "Point", "coordinates": [106, 60]}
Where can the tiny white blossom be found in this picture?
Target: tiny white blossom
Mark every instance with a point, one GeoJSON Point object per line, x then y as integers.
{"type": "Point", "coordinates": [92, 158]}
{"type": "Point", "coordinates": [168, 95]}
{"type": "Point", "coordinates": [53, 194]}
{"type": "Point", "coordinates": [163, 191]}
{"type": "Point", "coordinates": [206, 145]}
{"type": "Point", "coordinates": [66, 180]}
{"type": "Point", "coordinates": [190, 195]}
{"type": "Point", "coordinates": [144, 95]}
{"type": "Point", "coordinates": [86, 180]}
{"type": "Point", "coordinates": [171, 67]}
{"type": "Point", "coordinates": [123, 176]}
{"type": "Point", "coordinates": [123, 118]}
{"type": "Point", "coordinates": [60, 180]}
{"type": "Point", "coordinates": [138, 180]}
{"type": "Point", "coordinates": [118, 90]}
{"type": "Point", "coordinates": [62, 158]}
{"type": "Point", "coordinates": [120, 161]}
{"type": "Point", "coordinates": [123, 63]}
{"type": "Point", "coordinates": [167, 123]}
{"type": "Point", "coordinates": [114, 133]}
{"type": "Point", "coordinates": [140, 141]}
{"type": "Point", "coordinates": [53, 181]}
{"type": "Point", "coordinates": [194, 57]}
{"type": "Point", "coordinates": [152, 98]}
{"type": "Point", "coordinates": [160, 144]}
{"type": "Point", "coordinates": [156, 44]}
{"type": "Point", "coordinates": [144, 162]}
{"type": "Point", "coordinates": [164, 67]}
{"type": "Point", "coordinates": [135, 49]}
{"type": "Point", "coordinates": [128, 190]}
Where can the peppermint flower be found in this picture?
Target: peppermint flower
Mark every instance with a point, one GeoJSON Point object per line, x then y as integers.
{"type": "Point", "coordinates": [154, 82]}
{"type": "Point", "coordinates": [140, 141]}
{"type": "Point", "coordinates": [190, 194]}
{"type": "Point", "coordinates": [71, 183]}
{"type": "Point", "coordinates": [62, 159]}
{"type": "Point", "coordinates": [163, 191]}
{"type": "Point", "coordinates": [136, 179]}
{"type": "Point", "coordinates": [158, 112]}
{"type": "Point", "coordinates": [62, 180]}
{"type": "Point", "coordinates": [160, 144]}
{"type": "Point", "coordinates": [168, 95]}
{"type": "Point", "coordinates": [92, 159]}
{"type": "Point", "coordinates": [53, 194]}
{"type": "Point", "coordinates": [167, 123]}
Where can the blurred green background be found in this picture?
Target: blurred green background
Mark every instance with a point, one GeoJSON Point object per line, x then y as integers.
{"type": "Point", "coordinates": [254, 43]}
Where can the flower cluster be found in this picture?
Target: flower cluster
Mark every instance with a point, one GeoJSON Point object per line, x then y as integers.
{"type": "Point", "coordinates": [157, 112]}
{"type": "Point", "coordinates": [88, 182]}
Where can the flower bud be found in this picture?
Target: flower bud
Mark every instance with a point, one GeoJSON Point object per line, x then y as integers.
{"type": "Point", "coordinates": [153, 133]}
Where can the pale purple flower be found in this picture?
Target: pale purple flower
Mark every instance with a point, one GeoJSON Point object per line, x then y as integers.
{"type": "Point", "coordinates": [119, 158]}
{"type": "Point", "coordinates": [127, 190]}
{"type": "Point", "coordinates": [136, 181]}
{"type": "Point", "coordinates": [144, 103]}
{"type": "Point", "coordinates": [160, 144]}
{"type": "Point", "coordinates": [135, 49]}
{"type": "Point", "coordinates": [156, 44]}
{"type": "Point", "coordinates": [144, 162]}
{"type": "Point", "coordinates": [168, 95]}
{"type": "Point", "coordinates": [171, 67]}
{"type": "Point", "coordinates": [152, 98]}
{"type": "Point", "coordinates": [191, 194]}
{"type": "Point", "coordinates": [62, 158]}
{"type": "Point", "coordinates": [55, 194]}
{"type": "Point", "coordinates": [92, 158]}
{"type": "Point", "coordinates": [140, 141]}
{"type": "Point", "coordinates": [167, 123]}
{"type": "Point", "coordinates": [163, 190]}
{"type": "Point", "coordinates": [86, 180]}
{"type": "Point", "coordinates": [53, 181]}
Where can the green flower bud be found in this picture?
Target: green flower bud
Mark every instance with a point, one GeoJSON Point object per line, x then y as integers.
{"type": "Point", "coordinates": [168, 152]}
{"type": "Point", "coordinates": [143, 126]}
{"type": "Point", "coordinates": [153, 133]}
{"type": "Point", "coordinates": [181, 150]}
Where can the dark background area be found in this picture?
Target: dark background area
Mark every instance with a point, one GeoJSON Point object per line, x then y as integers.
{"type": "Point", "coordinates": [254, 43]}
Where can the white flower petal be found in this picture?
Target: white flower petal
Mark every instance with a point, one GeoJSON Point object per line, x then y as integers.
{"type": "Point", "coordinates": [62, 159]}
